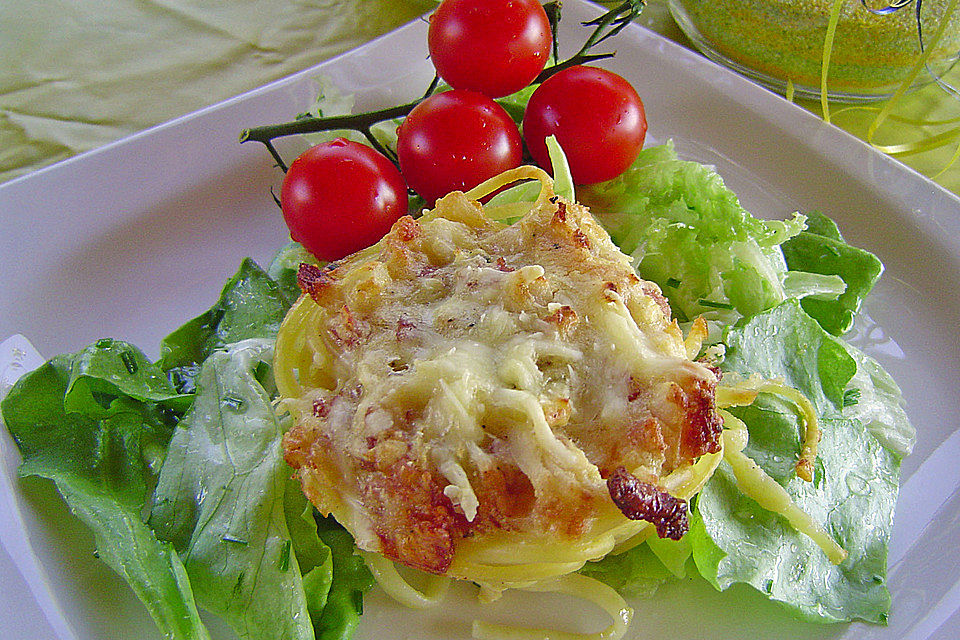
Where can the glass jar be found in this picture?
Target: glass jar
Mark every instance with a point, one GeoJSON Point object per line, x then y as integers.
{"type": "Point", "coordinates": [781, 41]}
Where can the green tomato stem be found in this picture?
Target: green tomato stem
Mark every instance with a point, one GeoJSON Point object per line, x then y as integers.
{"type": "Point", "coordinates": [619, 17]}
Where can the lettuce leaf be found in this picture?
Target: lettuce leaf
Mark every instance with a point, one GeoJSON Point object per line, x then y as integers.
{"type": "Point", "coordinates": [637, 572]}
{"type": "Point", "coordinates": [223, 500]}
{"type": "Point", "coordinates": [351, 579]}
{"type": "Point", "coordinates": [94, 452]}
{"type": "Point", "coordinates": [873, 398]}
{"type": "Point", "coordinates": [821, 249]}
{"type": "Point", "coordinates": [251, 305]}
{"type": "Point", "coordinates": [688, 233]}
{"type": "Point", "coordinates": [853, 493]}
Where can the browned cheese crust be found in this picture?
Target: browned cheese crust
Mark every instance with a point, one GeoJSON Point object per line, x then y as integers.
{"type": "Point", "coordinates": [487, 379]}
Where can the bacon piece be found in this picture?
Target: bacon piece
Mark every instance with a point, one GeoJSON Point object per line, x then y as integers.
{"type": "Point", "coordinates": [642, 501]}
{"type": "Point", "coordinates": [564, 318]}
{"type": "Point", "coordinates": [405, 327]}
{"type": "Point", "coordinates": [346, 329]}
{"type": "Point", "coordinates": [701, 433]}
{"type": "Point", "coordinates": [561, 214]}
{"type": "Point", "coordinates": [580, 239]}
{"type": "Point", "coordinates": [315, 281]}
{"type": "Point", "coordinates": [321, 408]}
{"type": "Point", "coordinates": [652, 290]}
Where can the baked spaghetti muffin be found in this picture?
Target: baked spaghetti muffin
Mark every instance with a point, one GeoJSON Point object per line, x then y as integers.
{"type": "Point", "coordinates": [470, 396]}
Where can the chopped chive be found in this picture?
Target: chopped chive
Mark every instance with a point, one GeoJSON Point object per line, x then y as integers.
{"type": "Point", "coordinates": [238, 587]}
{"type": "Point", "coordinates": [715, 305]}
{"type": "Point", "coordinates": [233, 402]}
{"type": "Point", "coordinates": [129, 361]}
{"type": "Point", "coordinates": [851, 397]}
{"type": "Point", "coordinates": [285, 556]}
{"type": "Point", "coordinates": [672, 282]}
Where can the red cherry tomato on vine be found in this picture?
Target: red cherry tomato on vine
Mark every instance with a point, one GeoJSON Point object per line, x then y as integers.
{"type": "Point", "coordinates": [495, 47]}
{"type": "Point", "coordinates": [598, 119]}
{"type": "Point", "coordinates": [341, 196]}
{"type": "Point", "coordinates": [453, 141]}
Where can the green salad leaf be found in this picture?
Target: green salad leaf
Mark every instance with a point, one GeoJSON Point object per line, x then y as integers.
{"type": "Point", "coordinates": [97, 454]}
{"type": "Point", "coordinates": [637, 572]}
{"type": "Point", "coordinates": [853, 493]}
{"type": "Point", "coordinates": [351, 579]}
{"type": "Point", "coordinates": [112, 369]}
{"type": "Point", "coordinates": [221, 500]}
{"type": "Point", "coordinates": [873, 398]}
{"type": "Point", "coordinates": [821, 249]}
{"type": "Point", "coordinates": [688, 233]}
{"type": "Point", "coordinates": [251, 305]}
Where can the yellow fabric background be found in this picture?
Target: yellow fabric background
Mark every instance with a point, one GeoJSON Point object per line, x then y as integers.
{"type": "Point", "coordinates": [77, 74]}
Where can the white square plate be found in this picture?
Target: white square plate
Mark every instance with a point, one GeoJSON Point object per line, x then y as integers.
{"type": "Point", "coordinates": [131, 240]}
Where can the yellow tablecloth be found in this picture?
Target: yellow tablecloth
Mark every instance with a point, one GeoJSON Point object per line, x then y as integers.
{"type": "Point", "coordinates": [77, 74]}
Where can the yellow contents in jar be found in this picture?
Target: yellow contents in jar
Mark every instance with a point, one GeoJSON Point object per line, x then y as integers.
{"type": "Point", "coordinates": [783, 40]}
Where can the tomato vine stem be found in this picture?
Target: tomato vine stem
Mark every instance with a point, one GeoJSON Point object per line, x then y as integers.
{"type": "Point", "coordinates": [605, 26]}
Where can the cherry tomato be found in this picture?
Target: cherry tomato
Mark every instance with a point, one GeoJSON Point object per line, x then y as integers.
{"type": "Point", "coordinates": [597, 117]}
{"type": "Point", "coordinates": [495, 47]}
{"type": "Point", "coordinates": [341, 196]}
{"type": "Point", "coordinates": [454, 140]}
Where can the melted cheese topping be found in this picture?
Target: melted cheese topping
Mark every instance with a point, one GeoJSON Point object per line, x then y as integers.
{"type": "Point", "coordinates": [465, 385]}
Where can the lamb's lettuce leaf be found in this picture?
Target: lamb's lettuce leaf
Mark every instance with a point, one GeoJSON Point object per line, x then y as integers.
{"type": "Point", "coordinates": [99, 453]}
{"type": "Point", "coordinates": [853, 493]}
{"type": "Point", "coordinates": [223, 501]}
